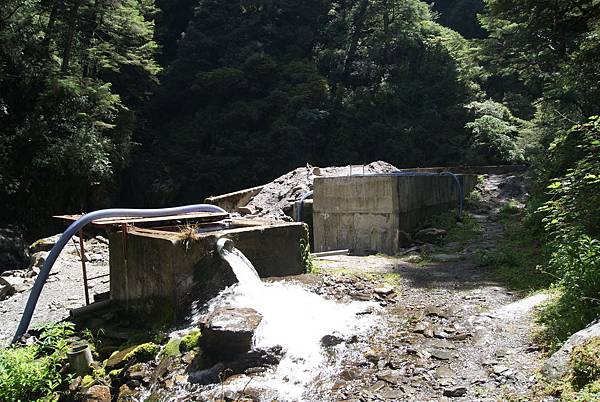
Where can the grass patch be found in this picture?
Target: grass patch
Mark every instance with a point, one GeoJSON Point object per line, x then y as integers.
{"type": "Point", "coordinates": [461, 230]}
{"type": "Point", "coordinates": [510, 208]}
{"type": "Point", "coordinates": [582, 383]}
{"type": "Point", "coordinates": [517, 259]}
{"type": "Point", "coordinates": [576, 264]}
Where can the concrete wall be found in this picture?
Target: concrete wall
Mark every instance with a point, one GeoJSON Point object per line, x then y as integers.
{"type": "Point", "coordinates": [232, 201]}
{"type": "Point", "coordinates": [366, 213]}
{"type": "Point", "coordinates": [489, 169]}
{"type": "Point", "coordinates": [157, 274]}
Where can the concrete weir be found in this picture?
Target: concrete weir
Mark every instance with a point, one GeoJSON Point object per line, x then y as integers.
{"type": "Point", "coordinates": [366, 213]}
{"type": "Point", "coordinates": [158, 272]}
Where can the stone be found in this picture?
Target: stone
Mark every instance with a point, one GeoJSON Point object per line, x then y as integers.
{"type": "Point", "coordinates": [372, 356]}
{"type": "Point", "coordinates": [138, 353]}
{"type": "Point", "coordinates": [558, 364]}
{"type": "Point", "coordinates": [97, 393]}
{"type": "Point", "coordinates": [228, 331]}
{"type": "Point", "coordinates": [38, 259]}
{"type": "Point", "coordinates": [391, 376]}
{"type": "Point", "coordinates": [6, 289]}
{"type": "Point", "coordinates": [413, 258]}
{"type": "Point", "coordinates": [384, 290]}
{"type": "Point", "coordinates": [17, 283]}
{"type": "Point", "coordinates": [425, 328]}
{"type": "Point", "coordinates": [444, 372]}
{"type": "Point", "coordinates": [500, 370]}
{"type": "Point", "coordinates": [331, 340]}
{"type": "Point", "coordinates": [44, 244]}
{"type": "Point", "coordinates": [455, 392]}
{"type": "Point", "coordinates": [440, 354]}
{"type": "Point", "coordinates": [436, 312]}
{"type": "Point", "coordinates": [246, 210]}
{"type": "Point", "coordinates": [351, 374]}
{"type": "Point", "coordinates": [430, 235]}
{"type": "Point", "coordinates": [126, 394]}
{"type": "Point", "coordinates": [444, 257]}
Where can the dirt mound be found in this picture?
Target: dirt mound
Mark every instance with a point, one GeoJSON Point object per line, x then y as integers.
{"type": "Point", "coordinates": [276, 199]}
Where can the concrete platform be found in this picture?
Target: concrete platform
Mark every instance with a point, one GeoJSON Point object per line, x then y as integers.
{"type": "Point", "coordinates": [158, 273]}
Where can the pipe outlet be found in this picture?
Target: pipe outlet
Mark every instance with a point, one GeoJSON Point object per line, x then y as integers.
{"type": "Point", "coordinates": [224, 244]}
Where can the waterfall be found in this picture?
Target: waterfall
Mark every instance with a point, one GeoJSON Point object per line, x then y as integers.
{"type": "Point", "coordinates": [242, 268]}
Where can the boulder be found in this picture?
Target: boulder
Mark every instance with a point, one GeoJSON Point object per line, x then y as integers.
{"type": "Point", "coordinates": [430, 235]}
{"type": "Point", "coordinates": [44, 244]}
{"type": "Point", "coordinates": [18, 283]}
{"type": "Point", "coordinates": [6, 289]}
{"type": "Point", "coordinates": [97, 393]}
{"type": "Point", "coordinates": [455, 392]}
{"type": "Point", "coordinates": [38, 259]}
{"type": "Point", "coordinates": [558, 364]}
{"type": "Point", "coordinates": [228, 331]}
{"type": "Point", "coordinates": [384, 290]}
{"type": "Point", "coordinates": [138, 353]}
{"type": "Point", "coordinates": [13, 254]}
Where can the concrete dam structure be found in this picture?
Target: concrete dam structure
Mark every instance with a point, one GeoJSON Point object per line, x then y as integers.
{"type": "Point", "coordinates": [158, 272]}
{"type": "Point", "coordinates": [367, 213]}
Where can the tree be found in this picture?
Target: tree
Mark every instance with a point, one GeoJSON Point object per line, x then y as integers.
{"type": "Point", "coordinates": [72, 73]}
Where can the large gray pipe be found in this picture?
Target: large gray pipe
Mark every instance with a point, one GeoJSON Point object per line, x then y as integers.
{"type": "Point", "coordinates": [75, 227]}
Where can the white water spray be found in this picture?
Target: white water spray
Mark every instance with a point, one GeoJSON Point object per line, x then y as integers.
{"type": "Point", "coordinates": [295, 319]}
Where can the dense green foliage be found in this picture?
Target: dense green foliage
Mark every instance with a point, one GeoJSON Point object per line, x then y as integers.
{"type": "Point", "coordinates": [71, 75]}
{"type": "Point", "coordinates": [32, 372]}
{"type": "Point", "coordinates": [551, 49]}
{"type": "Point", "coordinates": [287, 83]}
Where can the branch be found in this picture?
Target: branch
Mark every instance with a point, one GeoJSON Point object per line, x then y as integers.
{"type": "Point", "coordinates": [9, 16]}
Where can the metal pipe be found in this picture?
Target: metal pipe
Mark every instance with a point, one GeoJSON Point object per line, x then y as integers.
{"type": "Point", "coordinates": [36, 290]}
{"type": "Point", "coordinates": [304, 196]}
{"type": "Point", "coordinates": [224, 244]}
{"type": "Point", "coordinates": [90, 308]}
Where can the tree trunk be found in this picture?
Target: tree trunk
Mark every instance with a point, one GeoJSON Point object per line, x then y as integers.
{"type": "Point", "coordinates": [68, 46]}
{"type": "Point", "coordinates": [357, 26]}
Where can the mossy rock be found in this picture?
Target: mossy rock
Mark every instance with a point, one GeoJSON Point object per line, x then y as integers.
{"type": "Point", "coordinates": [190, 341]}
{"type": "Point", "coordinates": [172, 348]}
{"type": "Point", "coordinates": [138, 353]}
{"type": "Point", "coordinates": [87, 381]}
{"type": "Point", "coordinates": [585, 363]}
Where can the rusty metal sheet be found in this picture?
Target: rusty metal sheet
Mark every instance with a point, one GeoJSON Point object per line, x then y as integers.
{"type": "Point", "coordinates": [193, 217]}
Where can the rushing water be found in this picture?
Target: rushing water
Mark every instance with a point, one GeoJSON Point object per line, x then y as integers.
{"type": "Point", "coordinates": [295, 319]}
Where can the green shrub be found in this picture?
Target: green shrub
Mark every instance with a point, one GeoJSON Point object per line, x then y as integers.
{"type": "Point", "coordinates": [32, 372]}
{"type": "Point", "coordinates": [577, 267]}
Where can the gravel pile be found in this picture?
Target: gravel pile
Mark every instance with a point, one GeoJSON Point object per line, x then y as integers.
{"type": "Point", "coordinates": [276, 199]}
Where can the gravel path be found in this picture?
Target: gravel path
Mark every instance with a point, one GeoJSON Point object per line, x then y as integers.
{"type": "Point", "coordinates": [451, 332]}
{"type": "Point", "coordinates": [63, 290]}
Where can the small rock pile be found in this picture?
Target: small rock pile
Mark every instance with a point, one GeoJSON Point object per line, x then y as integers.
{"type": "Point", "coordinates": [276, 199]}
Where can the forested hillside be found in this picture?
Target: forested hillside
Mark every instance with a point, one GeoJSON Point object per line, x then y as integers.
{"type": "Point", "coordinates": [149, 103]}
{"type": "Point", "coordinates": [144, 103]}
